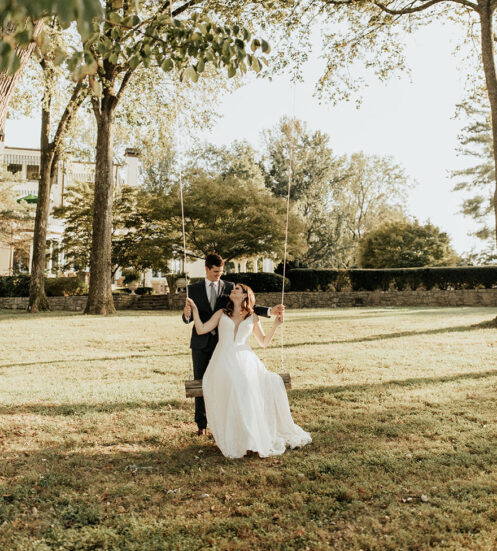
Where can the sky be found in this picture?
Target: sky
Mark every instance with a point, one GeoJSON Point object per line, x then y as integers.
{"type": "Point", "coordinates": [410, 119]}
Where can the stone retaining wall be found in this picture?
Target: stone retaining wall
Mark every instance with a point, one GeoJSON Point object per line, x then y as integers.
{"type": "Point", "coordinates": [470, 297]}
{"type": "Point", "coordinates": [74, 304]}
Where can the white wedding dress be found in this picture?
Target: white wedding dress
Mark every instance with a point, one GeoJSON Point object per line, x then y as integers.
{"type": "Point", "coordinates": [246, 405]}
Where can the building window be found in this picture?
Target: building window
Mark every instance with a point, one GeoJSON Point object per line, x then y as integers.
{"type": "Point", "coordinates": [14, 168]}
{"type": "Point", "coordinates": [33, 172]}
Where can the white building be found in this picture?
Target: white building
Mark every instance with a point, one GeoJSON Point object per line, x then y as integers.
{"type": "Point", "coordinates": [26, 162]}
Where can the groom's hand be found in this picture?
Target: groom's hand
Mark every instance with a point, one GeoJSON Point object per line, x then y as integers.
{"type": "Point", "coordinates": [187, 311]}
{"type": "Point", "coordinates": [277, 310]}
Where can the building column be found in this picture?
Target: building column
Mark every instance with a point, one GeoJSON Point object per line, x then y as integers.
{"type": "Point", "coordinates": [255, 260]}
{"type": "Point", "coordinates": [30, 256]}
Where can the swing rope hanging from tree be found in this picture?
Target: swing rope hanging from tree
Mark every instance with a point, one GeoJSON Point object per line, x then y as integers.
{"type": "Point", "coordinates": [193, 387]}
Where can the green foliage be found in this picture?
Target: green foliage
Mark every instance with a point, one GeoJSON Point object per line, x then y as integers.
{"type": "Point", "coordinates": [20, 17]}
{"type": "Point", "coordinates": [131, 275]}
{"type": "Point", "coordinates": [18, 286]}
{"type": "Point", "coordinates": [260, 282]}
{"type": "Point", "coordinates": [64, 286]}
{"type": "Point", "coordinates": [144, 291]}
{"type": "Point", "coordinates": [339, 198]}
{"type": "Point", "coordinates": [14, 286]}
{"type": "Point", "coordinates": [135, 241]}
{"type": "Point", "coordinates": [315, 175]}
{"type": "Point", "coordinates": [477, 181]}
{"type": "Point", "coordinates": [468, 277]}
{"type": "Point", "coordinates": [229, 215]}
{"type": "Point", "coordinates": [404, 245]}
{"type": "Point", "coordinates": [304, 279]}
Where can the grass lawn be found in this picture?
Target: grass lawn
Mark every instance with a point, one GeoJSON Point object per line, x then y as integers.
{"type": "Point", "coordinates": [98, 452]}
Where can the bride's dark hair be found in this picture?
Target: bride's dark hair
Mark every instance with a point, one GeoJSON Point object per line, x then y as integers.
{"type": "Point", "coordinates": [248, 301]}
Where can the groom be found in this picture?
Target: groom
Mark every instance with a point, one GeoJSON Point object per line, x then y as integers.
{"type": "Point", "coordinates": [210, 295]}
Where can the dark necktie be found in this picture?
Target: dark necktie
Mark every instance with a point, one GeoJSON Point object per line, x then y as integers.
{"type": "Point", "coordinates": [213, 296]}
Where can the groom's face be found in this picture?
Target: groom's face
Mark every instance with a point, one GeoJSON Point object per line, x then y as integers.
{"type": "Point", "coordinates": [214, 273]}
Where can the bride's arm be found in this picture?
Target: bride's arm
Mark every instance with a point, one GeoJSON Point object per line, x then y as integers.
{"type": "Point", "coordinates": [263, 339]}
{"type": "Point", "coordinates": [209, 325]}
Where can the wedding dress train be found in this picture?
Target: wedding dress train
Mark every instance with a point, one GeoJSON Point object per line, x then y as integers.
{"type": "Point", "coordinates": [247, 405]}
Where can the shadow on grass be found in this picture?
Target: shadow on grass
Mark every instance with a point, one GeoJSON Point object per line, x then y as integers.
{"type": "Point", "coordinates": [414, 381]}
{"type": "Point", "coordinates": [104, 359]}
{"type": "Point", "coordinates": [84, 409]}
{"type": "Point", "coordinates": [185, 404]}
{"type": "Point", "coordinates": [385, 336]}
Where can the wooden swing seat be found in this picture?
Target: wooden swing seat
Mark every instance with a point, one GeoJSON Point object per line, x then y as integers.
{"type": "Point", "coordinates": [193, 388]}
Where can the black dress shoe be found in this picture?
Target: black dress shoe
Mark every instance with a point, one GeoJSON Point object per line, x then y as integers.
{"type": "Point", "coordinates": [202, 432]}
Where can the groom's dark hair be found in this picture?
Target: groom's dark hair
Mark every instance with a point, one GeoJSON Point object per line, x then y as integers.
{"type": "Point", "coordinates": [213, 259]}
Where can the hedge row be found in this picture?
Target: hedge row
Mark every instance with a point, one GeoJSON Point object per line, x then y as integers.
{"type": "Point", "coordinates": [18, 286]}
{"type": "Point", "coordinates": [470, 277]}
{"type": "Point", "coordinates": [261, 282]}
{"type": "Point", "coordinates": [302, 279]}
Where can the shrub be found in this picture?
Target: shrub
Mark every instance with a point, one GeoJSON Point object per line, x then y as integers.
{"type": "Point", "coordinates": [64, 286]}
{"type": "Point", "coordinates": [468, 277]}
{"type": "Point", "coordinates": [131, 275]}
{"type": "Point", "coordinates": [121, 291]}
{"type": "Point", "coordinates": [261, 282]}
{"type": "Point", "coordinates": [304, 279]}
{"type": "Point", "coordinates": [144, 291]}
{"type": "Point", "coordinates": [14, 286]}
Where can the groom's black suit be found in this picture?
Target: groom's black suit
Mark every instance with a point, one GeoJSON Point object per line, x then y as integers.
{"type": "Point", "coordinates": [203, 345]}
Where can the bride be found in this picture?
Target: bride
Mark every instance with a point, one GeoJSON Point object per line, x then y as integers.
{"type": "Point", "coordinates": [246, 405]}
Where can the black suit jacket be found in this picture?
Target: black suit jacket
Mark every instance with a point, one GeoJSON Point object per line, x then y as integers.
{"type": "Point", "coordinates": [197, 292]}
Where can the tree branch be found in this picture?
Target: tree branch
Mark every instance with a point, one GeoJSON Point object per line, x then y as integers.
{"type": "Point", "coordinates": [185, 6]}
{"type": "Point", "coordinates": [422, 7]}
{"type": "Point", "coordinates": [96, 107]}
{"type": "Point", "coordinates": [124, 83]}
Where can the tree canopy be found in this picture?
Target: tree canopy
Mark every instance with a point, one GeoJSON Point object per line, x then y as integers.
{"type": "Point", "coordinates": [406, 244]}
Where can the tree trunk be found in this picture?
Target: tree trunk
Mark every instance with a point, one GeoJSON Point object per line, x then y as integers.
{"type": "Point", "coordinates": [8, 82]}
{"type": "Point", "coordinates": [37, 299]}
{"type": "Point", "coordinates": [100, 300]}
{"type": "Point", "coordinates": [488, 58]}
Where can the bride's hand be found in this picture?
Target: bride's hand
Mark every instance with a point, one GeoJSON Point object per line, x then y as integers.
{"type": "Point", "coordinates": [279, 319]}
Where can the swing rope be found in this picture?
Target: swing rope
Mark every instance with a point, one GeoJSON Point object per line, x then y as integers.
{"type": "Point", "coordinates": [192, 385]}
{"type": "Point", "coordinates": [177, 140]}
{"type": "Point", "coordinates": [289, 185]}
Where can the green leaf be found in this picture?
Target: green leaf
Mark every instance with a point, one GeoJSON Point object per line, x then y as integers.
{"type": "Point", "coordinates": [256, 65]}
{"type": "Point", "coordinates": [134, 62]}
{"type": "Point", "coordinates": [191, 74]}
{"type": "Point", "coordinates": [236, 29]}
{"type": "Point", "coordinates": [167, 65]}
{"type": "Point", "coordinates": [60, 56]}
{"type": "Point", "coordinates": [231, 71]}
{"type": "Point", "coordinates": [255, 44]}
{"type": "Point", "coordinates": [113, 17]}
{"type": "Point", "coordinates": [65, 10]}
{"type": "Point", "coordinates": [22, 37]}
{"type": "Point", "coordinates": [266, 48]}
